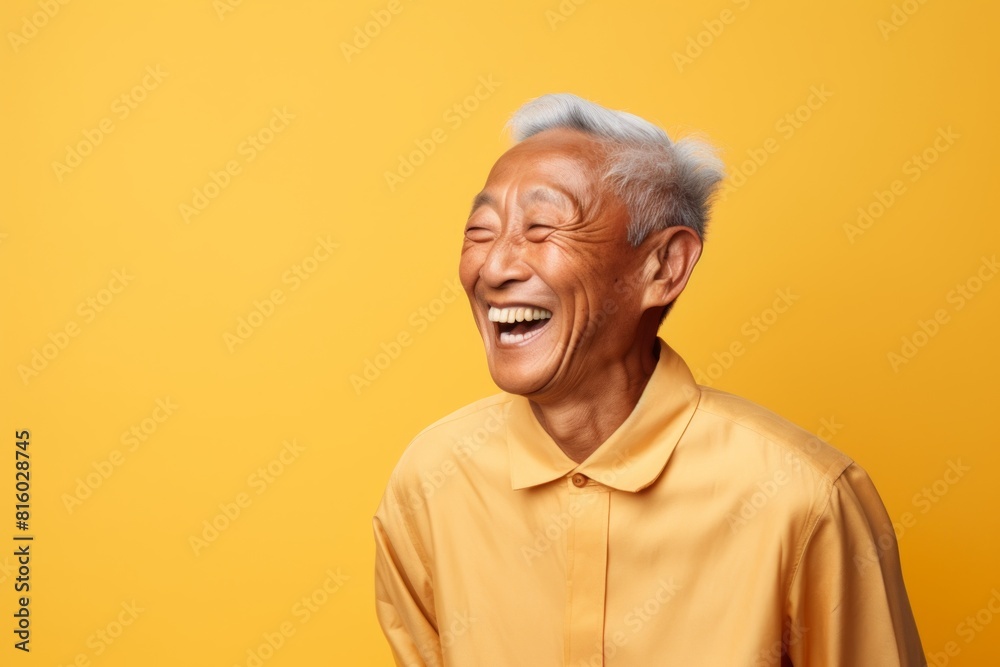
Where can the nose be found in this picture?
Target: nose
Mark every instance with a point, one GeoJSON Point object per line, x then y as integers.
{"type": "Point", "coordinates": [504, 263]}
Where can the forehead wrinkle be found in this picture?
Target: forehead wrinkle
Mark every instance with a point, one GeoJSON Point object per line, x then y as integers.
{"type": "Point", "coordinates": [558, 197]}
{"type": "Point", "coordinates": [543, 195]}
{"type": "Point", "coordinates": [537, 194]}
{"type": "Point", "coordinates": [584, 162]}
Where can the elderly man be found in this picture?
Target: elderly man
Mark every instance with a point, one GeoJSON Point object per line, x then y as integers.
{"type": "Point", "coordinates": [605, 509]}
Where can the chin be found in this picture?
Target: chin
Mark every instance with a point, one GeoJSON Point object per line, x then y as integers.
{"type": "Point", "coordinates": [513, 378]}
{"type": "Point", "coordinates": [520, 354]}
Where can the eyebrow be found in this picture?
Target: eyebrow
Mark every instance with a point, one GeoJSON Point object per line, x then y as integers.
{"type": "Point", "coordinates": [483, 199]}
{"type": "Point", "coordinates": [533, 196]}
{"type": "Point", "coordinates": [546, 196]}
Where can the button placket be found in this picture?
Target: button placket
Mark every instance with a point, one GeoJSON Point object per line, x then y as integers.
{"type": "Point", "coordinates": [587, 546]}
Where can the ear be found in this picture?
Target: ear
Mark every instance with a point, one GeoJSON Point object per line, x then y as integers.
{"type": "Point", "coordinates": [673, 253]}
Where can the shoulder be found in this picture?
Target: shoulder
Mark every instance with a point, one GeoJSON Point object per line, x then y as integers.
{"type": "Point", "coordinates": [469, 415]}
{"type": "Point", "coordinates": [449, 437]}
{"type": "Point", "coordinates": [751, 426]}
{"type": "Point", "coordinates": [779, 478]}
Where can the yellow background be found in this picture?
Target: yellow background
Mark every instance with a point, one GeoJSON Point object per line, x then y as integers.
{"type": "Point", "coordinates": [223, 69]}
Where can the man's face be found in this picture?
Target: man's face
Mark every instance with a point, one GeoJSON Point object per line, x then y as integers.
{"type": "Point", "coordinates": [554, 285]}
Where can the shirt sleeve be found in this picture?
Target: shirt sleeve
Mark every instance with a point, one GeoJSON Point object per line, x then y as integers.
{"type": "Point", "coordinates": [847, 604]}
{"type": "Point", "coordinates": [404, 599]}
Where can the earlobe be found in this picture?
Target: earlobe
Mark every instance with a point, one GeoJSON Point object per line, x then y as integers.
{"type": "Point", "coordinates": [672, 258]}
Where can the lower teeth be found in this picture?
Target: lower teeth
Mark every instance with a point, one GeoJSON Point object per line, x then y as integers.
{"type": "Point", "coordinates": [509, 338]}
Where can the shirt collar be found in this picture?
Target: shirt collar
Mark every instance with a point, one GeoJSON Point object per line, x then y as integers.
{"type": "Point", "coordinates": [633, 456]}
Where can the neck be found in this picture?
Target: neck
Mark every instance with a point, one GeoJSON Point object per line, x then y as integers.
{"type": "Point", "coordinates": [582, 421]}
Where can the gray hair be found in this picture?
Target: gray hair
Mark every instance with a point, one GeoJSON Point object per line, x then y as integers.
{"type": "Point", "coordinates": [662, 182]}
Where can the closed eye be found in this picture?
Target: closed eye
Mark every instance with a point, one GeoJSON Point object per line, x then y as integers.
{"type": "Point", "coordinates": [537, 232]}
{"type": "Point", "coordinates": [478, 234]}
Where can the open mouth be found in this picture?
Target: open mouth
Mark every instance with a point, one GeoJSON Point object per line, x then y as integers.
{"type": "Point", "coordinates": [519, 323]}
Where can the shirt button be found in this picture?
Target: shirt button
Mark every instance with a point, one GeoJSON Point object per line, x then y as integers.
{"type": "Point", "coordinates": [579, 480]}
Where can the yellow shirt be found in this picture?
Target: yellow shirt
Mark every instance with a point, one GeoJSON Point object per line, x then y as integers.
{"type": "Point", "coordinates": [705, 531]}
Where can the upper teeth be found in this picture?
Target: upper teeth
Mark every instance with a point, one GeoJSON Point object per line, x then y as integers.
{"type": "Point", "coordinates": [518, 314]}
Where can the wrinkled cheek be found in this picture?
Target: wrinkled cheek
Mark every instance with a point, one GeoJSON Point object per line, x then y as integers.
{"type": "Point", "coordinates": [468, 272]}
{"type": "Point", "coordinates": [607, 324]}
